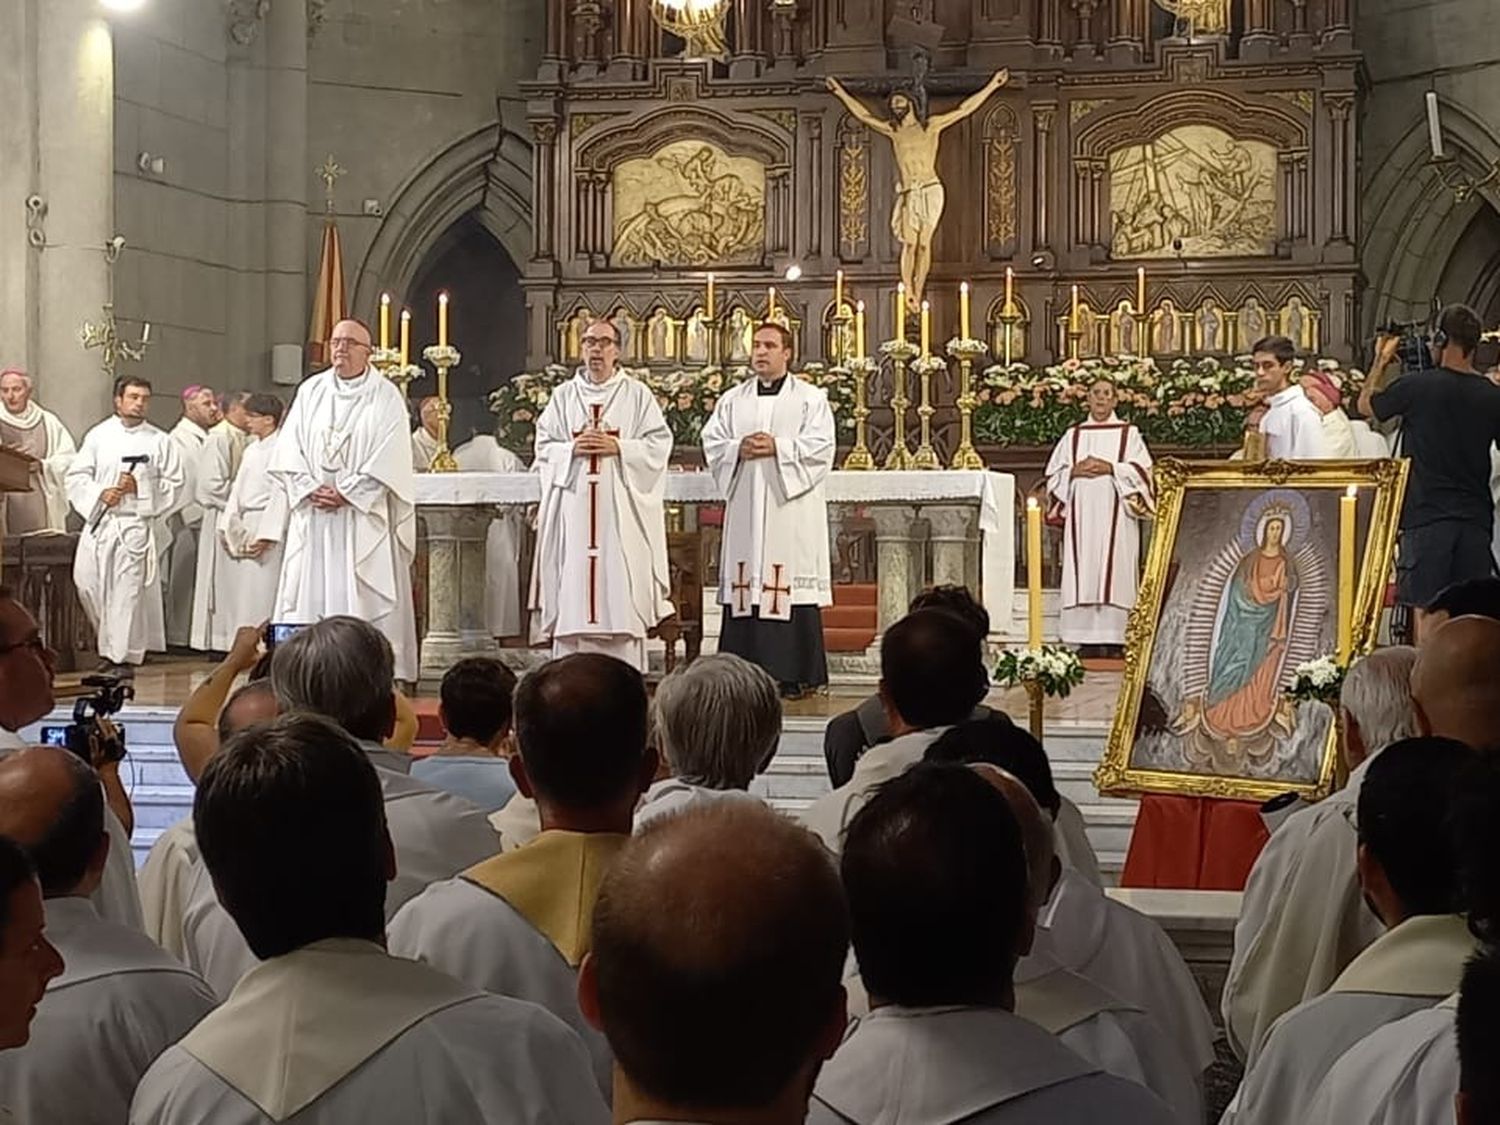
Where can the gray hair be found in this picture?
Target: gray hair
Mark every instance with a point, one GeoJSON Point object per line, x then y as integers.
{"type": "Point", "coordinates": [1377, 696]}
{"type": "Point", "coordinates": [717, 721]}
{"type": "Point", "coordinates": [341, 668]}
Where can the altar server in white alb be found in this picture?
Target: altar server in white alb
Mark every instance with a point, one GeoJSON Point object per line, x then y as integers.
{"type": "Point", "coordinates": [251, 530]}
{"type": "Point", "coordinates": [179, 559]}
{"type": "Point", "coordinates": [1291, 423]}
{"type": "Point", "coordinates": [344, 457]}
{"type": "Point", "coordinates": [38, 433]}
{"type": "Point", "coordinates": [331, 1029]}
{"type": "Point", "coordinates": [502, 542]}
{"type": "Point", "coordinates": [126, 477]}
{"type": "Point", "coordinates": [1100, 477]}
{"type": "Point", "coordinates": [600, 580]}
{"type": "Point", "coordinates": [218, 465]}
{"type": "Point", "coordinates": [770, 445]}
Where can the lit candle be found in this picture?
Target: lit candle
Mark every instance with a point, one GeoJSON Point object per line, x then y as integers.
{"type": "Point", "coordinates": [859, 329]}
{"type": "Point", "coordinates": [1140, 289]}
{"type": "Point", "coordinates": [770, 302]}
{"type": "Point", "coordinates": [708, 302]}
{"type": "Point", "coordinates": [385, 321]}
{"type": "Point", "coordinates": [926, 329]}
{"type": "Point", "coordinates": [1434, 126]}
{"type": "Point", "coordinates": [442, 320]}
{"type": "Point", "coordinates": [838, 292]}
{"type": "Point", "coordinates": [1073, 320]}
{"type": "Point", "coordinates": [1033, 573]}
{"type": "Point", "coordinates": [1347, 504]}
{"type": "Point", "coordinates": [963, 309]}
{"type": "Point", "coordinates": [405, 336]}
{"type": "Point", "coordinates": [901, 311]}
{"type": "Point", "coordinates": [1010, 291]}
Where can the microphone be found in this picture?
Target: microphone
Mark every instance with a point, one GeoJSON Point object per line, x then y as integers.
{"type": "Point", "coordinates": [131, 464]}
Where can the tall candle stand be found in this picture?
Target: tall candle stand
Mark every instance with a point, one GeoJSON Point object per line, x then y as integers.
{"type": "Point", "coordinates": [1009, 318]}
{"type": "Point", "coordinates": [925, 456]}
{"type": "Point", "coordinates": [388, 362]}
{"type": "Point", "coordinates": [967, 352]}
{"type": "Point", "coordinates": [1142, 333]}
{"type": "Point", "coordinates": [443, 357]}
{"type": "Point", "coordinates": [901, 353]}
{"type": "Point", "coordinates": [860, 368]}
{"type": "Point", "coordinates": [1075, 338]}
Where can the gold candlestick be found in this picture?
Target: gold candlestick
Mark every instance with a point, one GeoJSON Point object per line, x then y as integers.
{"type": "Point", "coordinates": [1010, 317]}
{"type": "Point", "coordinates": [901, 354]}
{"type": "Point", "coordinates": [1075, 338]}
{"type": "Point", "coordinates": [443, 357]}
{"type": "Point", "coordinates": [925, 456]}
{"type": "Point", "coordinates": [1142, 333]}
{"type": "Point", "coordinates": [860, 459]}
{"type": "Point", "coordinates": [388, 362]}
{"type": "Point", "coordinates": [966, 352]}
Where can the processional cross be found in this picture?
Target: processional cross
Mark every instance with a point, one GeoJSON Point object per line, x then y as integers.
{"type": "Point", "coordinates": [596, 425]}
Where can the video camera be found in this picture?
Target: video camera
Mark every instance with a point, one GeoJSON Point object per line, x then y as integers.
{"type": "Point", "coordinates": [1415, 351]}
{"type": "Point", "coordinates": [92, 735]}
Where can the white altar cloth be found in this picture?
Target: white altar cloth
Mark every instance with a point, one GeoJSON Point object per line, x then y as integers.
{"type": "Point", "coordinates": [993, 493]}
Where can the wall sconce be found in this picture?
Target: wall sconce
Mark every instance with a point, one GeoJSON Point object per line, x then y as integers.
{"type": "Point", "coordinates": [1454, 178]}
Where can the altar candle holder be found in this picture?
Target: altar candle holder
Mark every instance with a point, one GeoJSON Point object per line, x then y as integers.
{"type": "Point", "coordinates": [444, 357]}
{"type": "Point", "coordinates": [925, 456]}
{"type": "Point", "coordinates": [388, 362]}
{"type": "Point", "coordinates": [1075, 340]}
{"type": "Point", "coordinates": [860, 459]}
{"type": "Point", "coordinates": [901, 352]}
{"type": "Point", "coordinates": [1142, 332]}
{"type": "Point", "coordinates": [1009, 318]}
{"type": "Point", "coordinates": [967, 352]}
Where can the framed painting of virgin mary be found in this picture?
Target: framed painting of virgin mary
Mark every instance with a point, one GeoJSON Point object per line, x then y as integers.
{"type": "Point", "coordinates": [1240, 587]}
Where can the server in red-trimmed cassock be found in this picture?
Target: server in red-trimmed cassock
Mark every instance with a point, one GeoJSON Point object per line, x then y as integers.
{"type": "Point", "coordinates": [1100, 478]}
{"type": "Point", "coordinates": [770, 446]}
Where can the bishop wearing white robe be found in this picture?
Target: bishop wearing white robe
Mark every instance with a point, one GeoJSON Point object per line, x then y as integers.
{"type": "Point", "coordinates": [1406, 1073]}
{"type": "Point", "coordinates": [502, 542]}
{"type": "Point", "coordinates": [254, 520]}
{"type": "Point", "coordinates": [344, 458]}
{"type": "Point", "coordinates": [119, 1003]}
{"type": "Point", "coordinates": [1100, 475]}
{"type": "Point", "coordinates": [218, 464]}
{"type": "Point", "coordinates": [339, 1031]}
{"type": "Point", "coordinates": [116, 564]}
{"type": "Point", "coordinates": [770, 446]}
{"type": "Point", "coordinates": [600, 579]}
{"type": "Point", "coordinates": [39, 434]}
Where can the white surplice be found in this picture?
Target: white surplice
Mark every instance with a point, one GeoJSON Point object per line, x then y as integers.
{"type": "Point", "coordinates": [1101, 537]}
{"type": "Point", "coordinates": [981, 1066]}
{"type": "Point", "coordinates": [1405, 1073]}
{"type": "Point", "coordinates": [356, 559]}
{"type": "Point", "coordinates": [673, 795]}
{"type": "Point", "coordinates": [1127, 953]}
{"type": "Point", "coordinates": [1338, 435]}
{"type": "Point", "coordinates": [119, 1003]}
{"type": "Point", "coordinates": [600, 579]}
{"type": "Point", "coordinates": [424, 448]}
{"type": "Point", "coordinates": [1070, 836]}
{"type": "Point", "coordinates": [518, 823]}
{"type": "Point", "coordinates": [340, 1032]}
{"type": "Point", "coordinates": [1408, 968]}
{"type": "Point", "coordinates": [1293, 427]}
{"type": "Point", "coordinates": [179, 550]}
{"type": "Point", "coordinates": [116, 566]}
{"type": "Point", "coordinates": [502, 542]}
{"type": "Point", "coordinates": [774, 552]}
{"type": "Point", "coordinates": [436, 835]}
{"type": "Point", "coordinates": [166, 883]}
{"type": "Point", "coordinates": [1303, 918]}
{"type": "Point", "coordinates": [58, 448]}
{"type": "Point", "coordinates": [831, 813]}
{"type": "Point", "coordinates": [256, 509]}
{"type": "Point", "coordinates": [218, 461]}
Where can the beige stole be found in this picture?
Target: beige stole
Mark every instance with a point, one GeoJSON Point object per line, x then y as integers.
{"type": "Point", "coordinates": [1060, 999]}
{"type": "Point", "coordinates": [1423, 956]}
{"type": "Point", "coordinates": [295, 1026]}
{"type": "Point", "coordinates": [552, 883]}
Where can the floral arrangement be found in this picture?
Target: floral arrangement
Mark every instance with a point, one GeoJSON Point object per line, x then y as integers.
{"type": "Point", "coordinates": [1319, 680]}
{"type": "Point", "coordinates": [1056, 668]}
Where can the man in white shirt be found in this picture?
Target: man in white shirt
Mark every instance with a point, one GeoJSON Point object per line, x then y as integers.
{"type": "Point", "coordinates": [39, 434]}
{"type": "Point", "coordinates": [424, 439]}
{"type": "Point", "coordinates": [179, 547]}
{"type": "Point", "coordinates": [330, 1028]}
{"type": "Point", "coordinates": [1304, 916]}
{"type": "Point", "coordinates": [121, 1000]}
{"type": "Point", "coordinates": [719, 938]}
{"type": "Point", "coordinates": [27, 959]}
{"type": "Point", "coordinates": [1453, 683]}
{"type": "Point", "coordinates": [519, 923]}
{"type": "Point", "coordinates": [1409, 869]}
{"type": "Point", "coordinates": [935, 872]}
{"type": "Point", "coordinates": [931, 676]}
{"type": "Point", "coordinates": [1291, 424]}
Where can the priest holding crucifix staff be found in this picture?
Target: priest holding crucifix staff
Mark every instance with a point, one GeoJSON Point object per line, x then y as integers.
{"type": "Point", "coordinates": [600, 581]}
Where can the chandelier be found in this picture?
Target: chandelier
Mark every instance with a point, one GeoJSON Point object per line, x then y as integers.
{"type": "Point", "coordinates": [698, 23]}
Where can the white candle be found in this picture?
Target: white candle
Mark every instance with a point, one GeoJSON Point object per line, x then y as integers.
{"type": "Point", "coordinates": [442, 320]}
{"type": "Point", "coordinates": [1434, 126]}
{"type": "Point", "coordinates": [963, 309]}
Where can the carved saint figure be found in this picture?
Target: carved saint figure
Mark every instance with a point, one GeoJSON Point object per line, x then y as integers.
{"type": "Point", "coordinates": [919, 190]}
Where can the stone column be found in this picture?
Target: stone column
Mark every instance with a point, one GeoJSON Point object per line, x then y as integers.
{"type": "Point", "coordinates": [1342, 201]}
{"type": "Point", "coordinates": [893, 562]}
{"type": "Point", "coordinates": [1044, 117]}
{"type": "Point", "coordinates": [953, 530]}
{"type": "Point", "coordinates": [472, 527]}
{"type": "Point", "coordinates": [544, 159]}
{"type": "Point", "coordinates": [1259, 38]}
{"type": "Point", "coordinates": [288, 174]}
{"type": "Point", "coordinates": [1128, 43]}
{"type": "Point", "coordinates": [442, 644]}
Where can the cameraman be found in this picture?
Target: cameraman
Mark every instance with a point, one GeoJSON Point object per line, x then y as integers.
{"type": "Point", "coordinates": [26, 696]}
{"type": "Point", "coordinates": [1450, 417]}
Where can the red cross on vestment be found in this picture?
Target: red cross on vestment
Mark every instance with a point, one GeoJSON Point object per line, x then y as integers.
{"type": "Point", "coordinates": [740, 588]}
{"type": "Point", "coordinates": [776, 589]}
{"type": "Point", "coordinates": [596, 425]}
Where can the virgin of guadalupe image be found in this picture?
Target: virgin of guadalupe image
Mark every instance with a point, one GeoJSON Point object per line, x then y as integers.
{"type": "Point", "coordinates": [1259, 612]}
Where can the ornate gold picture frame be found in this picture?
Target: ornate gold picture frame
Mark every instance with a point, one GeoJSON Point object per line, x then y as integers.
{"type": "Point", "coordinates": [1240, 587]}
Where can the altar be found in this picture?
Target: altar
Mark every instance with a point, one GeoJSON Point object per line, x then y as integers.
{"type": "Point", "coordinates": [946, 526]}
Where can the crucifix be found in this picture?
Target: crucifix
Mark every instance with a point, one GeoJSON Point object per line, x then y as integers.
{"type": "Point", "coordinates": [596, 425]}
{"type": "Point", "coordinates": [776, 589]}
{"type": "Point", "coordinates": [740, 589]}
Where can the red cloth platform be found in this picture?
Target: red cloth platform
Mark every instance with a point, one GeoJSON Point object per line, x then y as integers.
{"type": "Point", "coordinates": [1194, 843]}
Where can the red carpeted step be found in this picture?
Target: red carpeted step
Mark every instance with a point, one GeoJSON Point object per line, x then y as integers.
{"type": "Point", "coordinates": [848, 617]}
{"type": "Point", "coordinates": [847, 640]}
{"type": "Point", "coordinates": [856, 593]}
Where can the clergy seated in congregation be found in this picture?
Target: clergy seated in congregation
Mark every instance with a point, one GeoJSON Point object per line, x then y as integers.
{"type": "Point", "coordinates": [1479, 1041]}
{"type": "Point", "coordinates": [342, 669]}
{"type": "Point", "coordinates": [942, 1041]}
{"type": "Point", "coordinates": [716, 723]}
{"type": "Point", "coordinates": [40, 434]}
{"type": "Point", "coordinates": [1408, 862]}
{"type": "Point", "coordinates": [26, 696]}
{"type": "Point", "coordinates": [1471, 597]}
{"type": "Point", "coordinates": [720, 935]}
{"type": "Point", "coordinates": [330, 1028]}
{"type": "Point", "coordinates": [1407, 1072]}
{"type": "Point", "coordinates": [27, 959]}
{"type": "Point", "coordinates": [1079, 927]}
{"type": "Point", "coordinates": [932, 676]}
{"type": "Point", "coordinates": [475, 709]}
{"type": "Point", "coordinates": [1304, 916]}
{"type": "Point", "coordinates": [519, 923]}
{"type": "Point", "coordinates": [121, 1000]}
{"type": "Point", "coordinates": [770, 445]}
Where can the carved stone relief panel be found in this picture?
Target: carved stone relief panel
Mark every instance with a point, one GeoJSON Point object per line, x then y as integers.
{"type": "Point", "coordinates": [854, 191]}
{"type": "Point", "coordinates": [689, 204]}
{"type": "Point", "coordinates": [1001, 198]}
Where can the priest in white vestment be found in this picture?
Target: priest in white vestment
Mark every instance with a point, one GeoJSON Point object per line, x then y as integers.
{"type": "Point", "coordinates": [345, 461]}
{"type": "Point", "coordinates": [125, 479]}
{"type": "Point", "coordinates": [121, 1000]}
{"type": "Point", "coordinates": [1404, 1073]}
{"type": "Point", "coordinates": [252, 530]}
{"type": "Point", "coordinates": [502, 542]}
{"type": "Point", "coordinates": [1326, 394]}
{"type": "Point", "coordinates": [770, 446]}
{"type": "Point", "coordinates": [218, 465]}
{"type": "Point", "coordinates": [39, 434]}
{"type": "Point", "coordinates": [1304, 917]}
{"type": "Point", "coordinates": [330, 1028]}
{"type": "Point", "coordinates": [179, 559]}
{"type": "Point", "coordinates": [1292, 426]}
{"type": "Point", "coordinates": [1100, 476]}
{"type": "Point", "coordinates": [424, 439]}
{"type": "Point", "coordinates": [600, 579]}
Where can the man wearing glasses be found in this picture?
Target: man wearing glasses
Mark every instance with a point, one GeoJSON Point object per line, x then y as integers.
{"type": "Point", "coordinates": [600, 579]}
{"type": "Point", "coordinates": [345, 459]}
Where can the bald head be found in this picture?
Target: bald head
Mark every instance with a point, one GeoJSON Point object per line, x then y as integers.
{"type": "Point", "coordinates": [52, 805]}
{"type": "Point", "coordinates": [1036, 830]}
{"type": "Point", "coordinates": [719, 943]}
{"type": "Point", "coordinates": [249, 705]}
{"type": "Point", "coordinates": [1453, 683]}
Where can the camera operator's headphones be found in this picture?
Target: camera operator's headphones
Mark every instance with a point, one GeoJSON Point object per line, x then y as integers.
{"type": "Point", "coordinates": [1439, 338]}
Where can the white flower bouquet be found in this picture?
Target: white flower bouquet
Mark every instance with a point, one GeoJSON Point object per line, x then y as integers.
{"type": "Point", "coordinates": [1056, 668]}
{"type": "Point", "coordinates": [1319, 679]}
